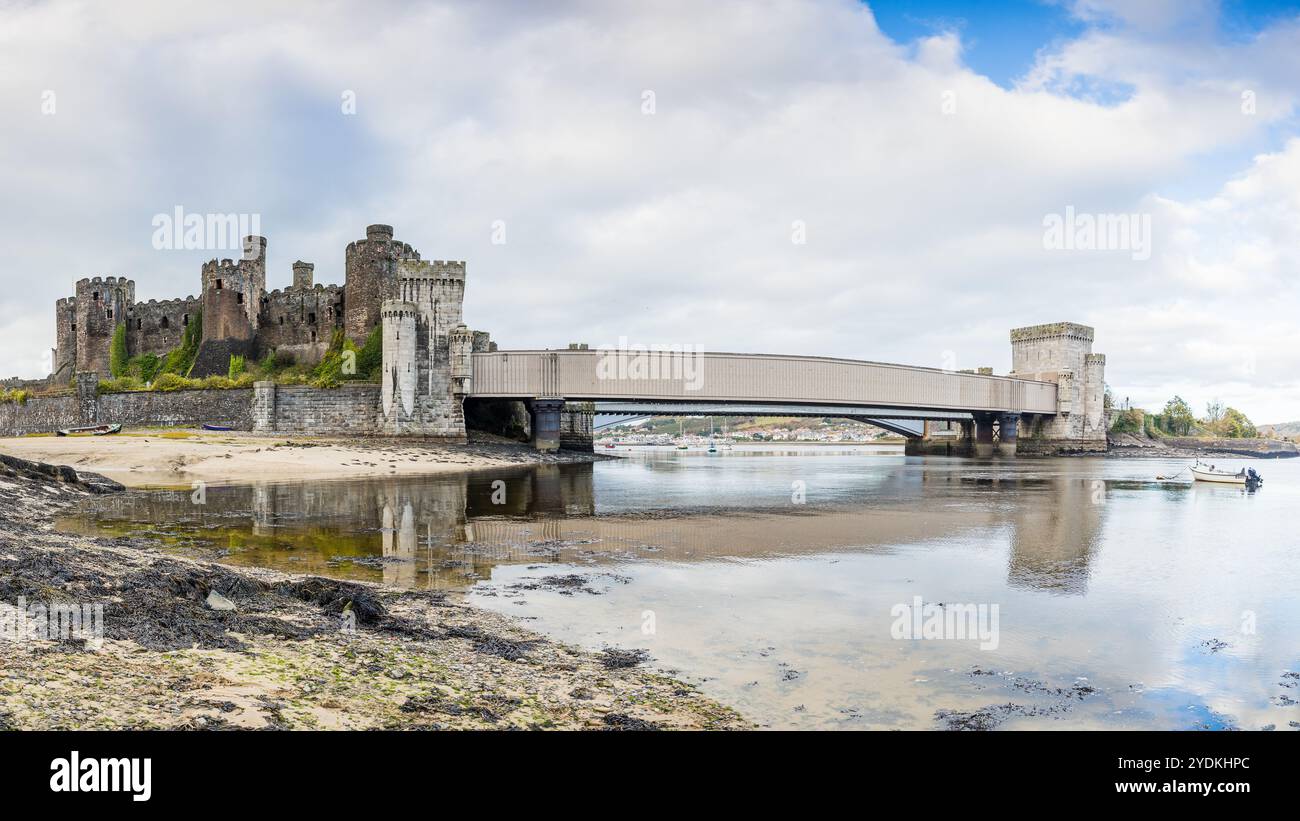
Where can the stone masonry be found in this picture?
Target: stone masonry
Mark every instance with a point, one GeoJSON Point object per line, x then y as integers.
{"type": "Point", "coordinates": [427, 350]}
{"type": "Point", "coordinates": [240, 316]}
{"type": "Point", "coordinates": [427, 347]}
{"type": "Point", "coordinates": [1061, 352]}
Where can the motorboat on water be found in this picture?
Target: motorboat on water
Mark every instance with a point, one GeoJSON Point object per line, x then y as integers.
{"type": "Point", "coordinates": [1209, 473]}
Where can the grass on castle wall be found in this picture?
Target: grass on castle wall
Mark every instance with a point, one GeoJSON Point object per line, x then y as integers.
{"type": "Point", "coordinates": [17, 396]}
{"type": "Point", "coordinates": [343, 363]}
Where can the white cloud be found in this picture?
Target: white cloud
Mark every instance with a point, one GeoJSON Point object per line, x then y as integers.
{"type": "Point", "coordinates": [923, 227]}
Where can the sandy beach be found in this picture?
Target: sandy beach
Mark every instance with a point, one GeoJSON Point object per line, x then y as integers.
{"type": "Point", "coordinates": [146, 458]}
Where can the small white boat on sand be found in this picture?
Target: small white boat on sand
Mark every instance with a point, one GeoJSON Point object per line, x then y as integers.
{"type": "Point", "coordinates": [1210, 473]}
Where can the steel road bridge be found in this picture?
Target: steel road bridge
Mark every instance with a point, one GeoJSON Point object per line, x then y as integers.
{"type": "Point", "coordinates": [899, 398]}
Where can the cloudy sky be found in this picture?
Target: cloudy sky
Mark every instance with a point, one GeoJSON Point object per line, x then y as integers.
{"type": "Point", "coordinates": [869, 180]}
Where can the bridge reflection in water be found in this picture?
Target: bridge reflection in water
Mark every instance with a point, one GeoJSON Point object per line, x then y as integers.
{"type": "Point", "coordinates": [449, 532]}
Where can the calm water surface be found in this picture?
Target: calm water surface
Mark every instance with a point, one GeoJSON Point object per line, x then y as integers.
{"type": "Point", "coordinates": [769, 577]}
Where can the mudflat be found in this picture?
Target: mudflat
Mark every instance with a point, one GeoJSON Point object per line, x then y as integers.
{"type": "Point", "coordinates": [152, 457]}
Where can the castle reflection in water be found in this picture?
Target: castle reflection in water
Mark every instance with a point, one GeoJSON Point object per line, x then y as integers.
{"type": "Point", "coordinates": [448, 532]}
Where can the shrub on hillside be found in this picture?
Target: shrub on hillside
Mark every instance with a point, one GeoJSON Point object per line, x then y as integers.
{"type": "Point", "coordinates": [1129, 421]}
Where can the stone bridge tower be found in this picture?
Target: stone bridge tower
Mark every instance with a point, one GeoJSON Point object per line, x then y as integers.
{"type": "Point", "coordinates": [1061, 352]}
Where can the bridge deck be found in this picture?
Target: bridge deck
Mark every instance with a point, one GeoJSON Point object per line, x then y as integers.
{"type": "Point", "coordinates": [594, 375]}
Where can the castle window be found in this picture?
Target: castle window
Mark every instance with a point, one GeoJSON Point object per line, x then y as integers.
{"type": "Point", "coordinates": [74, 326]}
{"type": "Point", "coordinates": [218, 285]}
{"type": "Point", "coordinates": [165, 323]}
{"type": "Point", "coordinates": [281, 320]}
{"type": "Point", "coordinates": [95, 296]}
{"type": "Point", "coordinates": [139, 324]}
{"type": "Point", "coordinates": [240, 298]}
{"type": "Point", "coordinates": [185, 320]}
{"type": "Point", "coordinates": [108, 314]}
{"type": "Point", "coordinates": [311, 320]}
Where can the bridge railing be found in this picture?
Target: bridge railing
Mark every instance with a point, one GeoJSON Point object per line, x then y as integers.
{"type": "Point", "coordinates": [594, 375]}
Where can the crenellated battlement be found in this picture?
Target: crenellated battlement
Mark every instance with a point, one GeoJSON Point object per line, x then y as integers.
{"type": "Point", "coordinates": [105, 281]}
{"type": "Point", "coordinates": [169, 303]}
{"type": "Point", "coordinates": [318, 288]}
{"type": "Point", "coordinates": [399, 309]}
{"type": "Point", "coordinates": [1053, 330]}
{"type": "Point", "coordinates": [435, 269]}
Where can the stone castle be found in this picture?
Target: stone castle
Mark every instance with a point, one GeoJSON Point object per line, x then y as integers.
{"type": "Point", "coordinates": [426, 345]}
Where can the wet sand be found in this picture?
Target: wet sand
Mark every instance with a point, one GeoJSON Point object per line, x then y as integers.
{"type": "Point", "coordinates": [152, 457]}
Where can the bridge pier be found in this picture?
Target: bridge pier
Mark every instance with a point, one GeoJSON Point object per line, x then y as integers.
{"type": "Point", "coordinates": [941, 441]}
{"type": "Point", "coordinates": [984, 434]}
{"type": "Point", "coordinates": [576, 427]}
{"type": "Point", "coordinates": [1008, 427]}
{"type": "Point", "coordinates": [545, 415]}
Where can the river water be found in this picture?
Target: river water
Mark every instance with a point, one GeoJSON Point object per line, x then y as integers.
{"type": "Point", "coordinates": [826, 587]}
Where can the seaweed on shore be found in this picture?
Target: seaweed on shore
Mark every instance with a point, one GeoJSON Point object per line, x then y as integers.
{"type": "Point", "coordinates": [620, 721]}
{"type": "Point", "coordinates": [484, 642]}
{"type": "Point", "coordinates": [616, 658]}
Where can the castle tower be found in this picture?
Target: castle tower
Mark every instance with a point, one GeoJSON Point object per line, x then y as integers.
{"type": "Point", "coordinates": [370, 269]}
{"type": "Point", "coordinates": [460, 350]}
{"type": "Point", "coordinates": [303, 275]}
{"type": "Point", "coordinates": [427, 350]}
{"type": "Point", "coordinates": [101, 304]}
{"type": "Point", "coordinates": [65, 351]}
{"type": "Point", "coordinates": [232, 297]}
{"type": "Point", "coordinates": [400, 369]}
{"type": "Point", "coordinates": [1061, 352]}
{"type": "Point", "coordinates": [437, 288]}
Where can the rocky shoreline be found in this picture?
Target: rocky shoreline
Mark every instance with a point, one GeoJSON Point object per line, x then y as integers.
{"type": "Point", "coordinates": [190, 644]}
{"type": "Point", "coordinates": [1130, 445]}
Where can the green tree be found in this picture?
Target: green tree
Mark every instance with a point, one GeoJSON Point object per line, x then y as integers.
{"type": "Point", "coordinates": [1178, 417]}
{"type": "Point", "coordinates": [1235, 425]}
{"type": "Point", "coordinates": [117, 355]}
